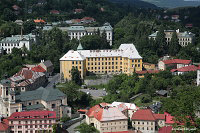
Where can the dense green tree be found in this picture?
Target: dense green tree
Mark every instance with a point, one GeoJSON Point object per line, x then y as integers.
{"type": "Point", "coordinates": [94, 42]}
{"type": "Point", "coordinates": [76, 77]}
{"type": "Point", "coordinates": [8, 15]}
{"type": "Point", "coordinates": [8, 29]}
{"type": "Point", "coordinates": [29, 26]}
{"type": "Point", "coordinates": [160, 44]}
{"type": "Point", "coordinates": [85, 128]}
{"type": "Point", "coordinates": [174, 46]}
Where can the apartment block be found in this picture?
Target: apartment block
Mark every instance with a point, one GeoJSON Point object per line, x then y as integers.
{"type": "Point", "coordinates": [17, 41]}
{"type": "Point", "coordinates": [78, 31]}
{"type": "Point", "coordinates": [125, 59]}
{"type": "Point", "coordinates": [32, 121]}
{"type": "Point", "coordinates": [184, 38]}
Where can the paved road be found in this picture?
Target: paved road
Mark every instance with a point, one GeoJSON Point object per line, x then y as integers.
{"type": "Point", "coordinates": [72, 127]}
{"type": "Point", "coordinates": [53, 79]}
{"type": "Point", "coordinates": [95, 93]}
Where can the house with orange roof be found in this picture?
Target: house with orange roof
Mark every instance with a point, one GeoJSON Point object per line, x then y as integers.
{"type": "Point", "coordinates": [39, 21]}
{"type": "Point", "coordinates": [147, 121]}
{"type": "Point", "coordinates": [106, 118]}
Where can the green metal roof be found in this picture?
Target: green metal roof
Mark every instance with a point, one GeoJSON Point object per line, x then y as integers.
{"type": "Point", "coordinates": [46, 94]}
{"type": "Point", "coordinates": [79, 47]}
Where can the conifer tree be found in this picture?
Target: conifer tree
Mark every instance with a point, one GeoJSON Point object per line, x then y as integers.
{"type": "Point", "coordinates": [174, 46]}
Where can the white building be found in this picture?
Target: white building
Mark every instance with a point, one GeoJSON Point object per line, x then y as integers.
{"type": "Point", "coordinates": [198, 76]}
{"type": "Point", "coordinates": [17, 41]}
{"type": "Point", "coordinates": [184, 38]}
{"type": "Point", "coordinates": [78, 31]}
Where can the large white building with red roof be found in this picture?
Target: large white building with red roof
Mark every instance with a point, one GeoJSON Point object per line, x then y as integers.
{"type": "Point", "coordinates": [106, 118]}
{"type": "Point", "coordinates": [173, 64]}
{"type": "Point", "coordinates": [32, 121]}
{"type": "Point", "coordinates": [146, 121]}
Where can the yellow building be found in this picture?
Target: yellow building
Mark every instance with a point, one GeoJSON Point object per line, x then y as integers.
{"type": "Point", "coordinates": [125, 59]}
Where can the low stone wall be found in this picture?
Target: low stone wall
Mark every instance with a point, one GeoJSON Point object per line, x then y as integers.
{"type": "Point", "coordinates": [102, 80]}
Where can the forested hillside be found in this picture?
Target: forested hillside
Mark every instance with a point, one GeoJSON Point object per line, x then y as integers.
{"type": "Point", "coordinates": [174, 3]}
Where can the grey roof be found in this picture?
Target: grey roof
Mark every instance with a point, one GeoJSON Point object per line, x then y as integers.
{"type": "Point", "coordinates": [48, 63]}
{"type": "Point", "coordinates": [155, 107]}
{"type": "Point", "coordinates": [76, 28]}
{"type": "Point", "coordinates": [34, 107]}
{"type": "Point", "coordinates": [18, 38]}
{"type": "Point", "coordinates": [46, 94]}
{"type": "Point", "coordinates": [162, 92]}
{"type": "Point", "coordinates": [5, 81]}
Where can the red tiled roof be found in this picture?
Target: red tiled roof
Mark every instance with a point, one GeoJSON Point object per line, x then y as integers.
{"type": "Point", "coordinates": [38, 69]}
{"type": "Point", "coordinates": [36, 114]}
{"type": "Point", "coordinates": [54, 12]}
{"type": "Point", "coordinates": [82, 110]}
{"type": "Point", "coordinates": [167, 129]}
{"type": "Point", "coordinates": [147, 71]}
{"type": "Point", "coordinates": [78, 10]}
{"type": "Point", "coordinates": [185, 69]}
{"type": "Point", "coordinates": [25, 72]}
{"type": "Point", "coordinates": [88, 18]}
{"type": "Point", "coordinates": [118, 132]}
{"type": "Point", "coordinates": [15, 7]}
{"type": "Point", "coordinates": [169, 118]}
{"type": "Point", "coordinates": [177, 61]}
{"type": "Point", "coordinates": [143, 114]}
{"type": "Point", "coordinates": [4, 125]}
{"type": "Point", "coordinates": [147, 115]}
{"type": "Point", "coordinates": [159, 116]}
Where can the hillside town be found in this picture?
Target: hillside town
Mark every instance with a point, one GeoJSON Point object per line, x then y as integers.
{"type": "Point", "coordinates": [66, 67]}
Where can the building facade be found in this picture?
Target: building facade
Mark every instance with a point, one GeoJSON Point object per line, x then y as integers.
{"type": "Point", "coordinates": [146, 121]}
{"type": "Point", "coordinates": [184, 38]}
{"type": "Point", "coordinates": [106, 118]}
{"type": "Point", "coordinates": [78, 31]}
{"type": "Point", "coordinates": [17, 41]}
{"type": "Point", "coordinates": [39, 99]}
{"type": "Point", "coordinates": [198, 76]}
{"type": "Point", "coordinates": [32, 121]}
{"type": "Point", "coordinates": [126, 60]}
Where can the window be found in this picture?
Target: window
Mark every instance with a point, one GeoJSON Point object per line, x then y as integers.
{"type": "Point", "coordinates": [88, 64]}
{"type": "Point", "coordinates": [19, 127]}
{"type": "Point", "coordinates": [98, 59]}
{"type": "Point", "coordinates": [116, 58]}
{"type": "Point", "coordinates": [37, 103]}
{"type": "Point", "coordinates": [112, 58]}
{"type": "Point", "coordinates": [88, 59]}
{"type": "Point", "coordinates": [102, 63]}
{"type": "Point", "coordinates": [29, 103]}
{"type": "Point", "coordinates": [53, 106]}
{"type": "Point", "coordinates": [35, 126]}
{"type": "Point", "coordinates": [72, 62]}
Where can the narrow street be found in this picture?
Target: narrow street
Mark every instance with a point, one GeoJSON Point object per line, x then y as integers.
{"type": "Point", "coordinates": [71, 129]}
